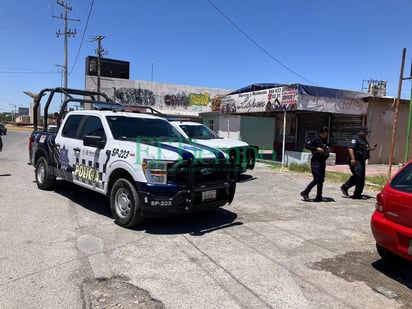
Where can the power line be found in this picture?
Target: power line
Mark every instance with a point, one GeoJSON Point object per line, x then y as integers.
{"type": "Point", "coordinates": [258, 45]}
{"type": "Point", "coordinates": [67, 33]}
{"type": "Point", "coordinates": [84, 33]}
{"type": "Point", "coordinates": [27, 72]}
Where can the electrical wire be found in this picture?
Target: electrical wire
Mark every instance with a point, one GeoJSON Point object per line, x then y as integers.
{"type": "Point", "coordinates": [27, 72]}
{"type": "Point", "coordinates": [20, 18]}
{"type": "Point", "coordinates": [82, 40]}
{"type": "Point", "coordinates": [258, 45]}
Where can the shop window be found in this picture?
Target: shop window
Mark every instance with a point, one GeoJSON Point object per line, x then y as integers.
{"type": "Point", "coordinates": [211, 125]}
{"type": "Point", "coordinates": [290, 129]}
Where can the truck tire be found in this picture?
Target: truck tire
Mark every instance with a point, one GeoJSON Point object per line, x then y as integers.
{"type": "Point", "coordinates": [44, 179]}
{"type": "Point", "coordinates": [251, 159]}
{"type": "Point", "coordinates": [124, 204]}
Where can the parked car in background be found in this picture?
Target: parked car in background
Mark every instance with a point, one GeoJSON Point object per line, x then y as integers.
{"type": "Point", "coordinates": [391, 221]}
{"type": "Point", "coordinates": [244, 155]}
{"type": "Point", "coordinates": [3, 129]}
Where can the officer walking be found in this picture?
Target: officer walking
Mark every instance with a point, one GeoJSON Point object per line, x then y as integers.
{"type": "Point", "coordinates": [320, 152]}
{"type": "Point", "coordinates": [359, 152]}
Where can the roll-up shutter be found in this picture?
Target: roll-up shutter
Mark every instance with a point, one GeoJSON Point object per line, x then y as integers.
{"type": "Point", "coordinates": [343, 127]}
{"type": "Point", "coordinates": [309, 125]}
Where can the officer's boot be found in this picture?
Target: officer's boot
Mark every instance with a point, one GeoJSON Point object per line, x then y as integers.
{"type": "Point", "coordinates": [319, 197]}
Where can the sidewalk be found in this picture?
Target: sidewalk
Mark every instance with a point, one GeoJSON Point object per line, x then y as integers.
{"type": "Point", "coordinates": [371, 169]}
{"type": "Point", "coordinates": [25, 128]}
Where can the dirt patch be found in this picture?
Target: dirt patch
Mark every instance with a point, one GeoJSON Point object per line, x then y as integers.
{"type": "Point", "coordinates": [388, 278]}
{"type": "Point", "coordinates": [115, 292]}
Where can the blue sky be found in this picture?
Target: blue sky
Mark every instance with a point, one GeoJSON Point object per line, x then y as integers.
{"type": "Point", "coordinates": [212, 43]}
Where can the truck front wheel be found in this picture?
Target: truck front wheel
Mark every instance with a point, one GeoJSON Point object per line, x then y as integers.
{"type": "Point", "coordinates": [44, 179]}
{"type": "Point", "coordinates": [124, 204]}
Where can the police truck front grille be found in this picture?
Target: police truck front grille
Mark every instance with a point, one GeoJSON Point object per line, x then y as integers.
{"type": "Point", "coordinates": [203, 172]}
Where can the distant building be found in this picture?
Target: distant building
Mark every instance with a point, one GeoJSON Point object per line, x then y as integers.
{"type": "Point", "coordinates": [22, 119]}
{"type": "Point", "coordinates": [23, 111]}
{"type": "Point", "coordinates": [167, 98]}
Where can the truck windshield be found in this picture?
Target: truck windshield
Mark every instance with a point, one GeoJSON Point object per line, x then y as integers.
{"type": "Point", "coordinates": [132, 128]}
{"type": "Point", "coordinates": [199, 131]}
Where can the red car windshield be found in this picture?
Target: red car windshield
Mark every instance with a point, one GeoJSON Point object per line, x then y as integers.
{"type": "Point", "coordinates": [403, 180]}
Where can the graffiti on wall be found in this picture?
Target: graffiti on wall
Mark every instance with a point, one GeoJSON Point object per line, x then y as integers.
{"type": "Point", "coordinates": [216, 103]}
{"type": "Point", "coordinates": [183, 100]}
{"type": "Point", "coordinates": [177, 100]}
{"type": "Point", "coordinates": [133, 96]}
{"type": "Point", "coordinates": [201, 99]}
{"type": "Point", "coordinates": [161, 96]}
{"type": "Point", "coordinates": [139, 96]}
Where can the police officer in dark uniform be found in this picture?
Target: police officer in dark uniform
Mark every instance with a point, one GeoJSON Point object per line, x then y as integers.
{"type": "Point", "coordinates": [320, 153]}
{"type": "Point", "coordinates": [359, 152]}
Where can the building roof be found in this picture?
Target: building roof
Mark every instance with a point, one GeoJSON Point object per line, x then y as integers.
{"type": "Point", "coordinates": [273, 97]}
{"type": "Point", "coordinates": [315, 91]}
{"type": "Point", "coordinates": [255, 87]}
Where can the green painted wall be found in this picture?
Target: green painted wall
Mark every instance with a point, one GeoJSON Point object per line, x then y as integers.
{"type": "Point", "coordinates": [258, 131]}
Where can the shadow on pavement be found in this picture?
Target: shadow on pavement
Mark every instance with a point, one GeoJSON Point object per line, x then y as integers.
{"type": "Point", "coordinates": [245, 178]}
{"type": "Point", "coordinates": [367, 197]}
{"type": "Point", "coordinates": [195, 224]}
{"type": "Point", "coordinates": [88, 199]}
{"type": "Point", "coordinates": [397, 269]}
{"type": "Point", "coordinates": [324, 200]}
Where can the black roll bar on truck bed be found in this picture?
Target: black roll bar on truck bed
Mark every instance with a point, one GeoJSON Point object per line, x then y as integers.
{"type": "Point", "coordinates": [70, 96]}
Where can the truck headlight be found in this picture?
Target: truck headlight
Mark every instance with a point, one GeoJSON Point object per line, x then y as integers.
{"type": "Point", "coordinates": [155, 171]}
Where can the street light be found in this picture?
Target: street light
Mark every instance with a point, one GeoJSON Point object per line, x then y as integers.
{"type": "Point", "coordinates": [13, 112]}
{"type": "Point", "coordinates": [60, 69]}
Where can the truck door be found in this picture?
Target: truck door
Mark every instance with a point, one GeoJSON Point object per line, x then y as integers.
{"type": "Point", "coordinates": [83, 164]}
{"type": "Point", "coordinates": [90, 159]}
{"type": "Point", "coordinates": [66, 141]}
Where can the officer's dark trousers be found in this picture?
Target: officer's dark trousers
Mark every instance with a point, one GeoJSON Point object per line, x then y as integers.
{"type": "Point", "coordinates": [318, 172]}
{"type": "Point", "coordinates": [357, 179]}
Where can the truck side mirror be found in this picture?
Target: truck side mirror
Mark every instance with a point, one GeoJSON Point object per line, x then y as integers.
{"type": "Point", "coordinates": [94, 141]}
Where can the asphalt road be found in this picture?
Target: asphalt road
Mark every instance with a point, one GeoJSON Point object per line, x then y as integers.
{"type": "Point", "coordinates": [268, 249]}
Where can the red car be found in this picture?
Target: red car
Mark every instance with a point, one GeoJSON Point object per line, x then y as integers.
{"type": "Point", "coordinates": [391, 222]}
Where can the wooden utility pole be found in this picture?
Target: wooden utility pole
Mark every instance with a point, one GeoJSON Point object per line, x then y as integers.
{"type": "Point", "coordinates": [395, 120]}
{"type": "Point", "coordinates": [100, 52]}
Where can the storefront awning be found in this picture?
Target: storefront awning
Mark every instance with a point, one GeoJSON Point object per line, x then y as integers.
{"type": "Point", "coordinates": [294, 97]}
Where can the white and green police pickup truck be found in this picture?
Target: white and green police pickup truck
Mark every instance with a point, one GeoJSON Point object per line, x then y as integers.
{"type": "Point", "coordinates": [140, 161]}
{"type": "Point", "coordinates": [243, 154]}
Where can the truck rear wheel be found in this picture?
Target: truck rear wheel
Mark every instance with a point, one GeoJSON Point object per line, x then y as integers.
{"type": "Point", "coordinates": [124, 204]}
{"type": "Point", "coordinates": [251, 158]}
{"type": "Point", "coordinates": [44, 179]}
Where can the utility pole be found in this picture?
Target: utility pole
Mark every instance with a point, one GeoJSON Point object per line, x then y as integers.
{"type": "Point", "coordinates": [100, 52]}
{"type": "Point", "coordinates": [67, 33]}
{"type": "Point", "coordinates": [13, 112]}
{"type": "Point", "coordinates": [408, 132]}
{"type": "Point", "coordinates": [395, 120]}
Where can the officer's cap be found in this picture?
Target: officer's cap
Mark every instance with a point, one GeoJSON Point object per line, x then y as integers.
{"type": "Point", "coordinates": [323, 129]}
{"type": "Point", "coordinates": [364, 129]}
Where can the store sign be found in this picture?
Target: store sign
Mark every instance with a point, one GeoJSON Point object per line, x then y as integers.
{"type": "Point", "coordinates": [268, 100]}
{"type": "Point", "coordinates": [332, 105]}
{"type": "Point", "coordinates": [289, 98]}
